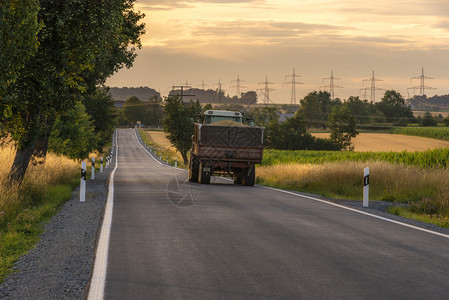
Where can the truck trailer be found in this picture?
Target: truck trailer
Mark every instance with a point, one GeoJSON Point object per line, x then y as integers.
{"type": "Point", "coordinates": [223, 146]}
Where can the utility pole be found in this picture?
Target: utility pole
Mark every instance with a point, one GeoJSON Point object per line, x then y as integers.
{"type": "Point", "coordinates": [372, 88]}
{"type": "Point", "coordinates": [422, 87]}
{"type": "Point", "coordinates": [266, 90]}
{"type": "Point", "coordinates": [238, 86]}
{"type": "Point", "coordinates": [331, 85]}
{"type": "Point", "coordinates": [182, 91]}
{"type": "Point", "coordinates": [293, 83]}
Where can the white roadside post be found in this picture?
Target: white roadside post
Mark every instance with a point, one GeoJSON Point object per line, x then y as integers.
{"type": "Point", "coordinates": [176, 162]}
{"type": "Point", "coordinates": [366, 187]}
{"type": "Point", "coordinates": [83, 182]}
{"type": "Point", "coordinates": [93, 169]}
{"type": "Point", "coordinates": [101, 165]}
{"type": "Point", "coordinates": [167, 159]}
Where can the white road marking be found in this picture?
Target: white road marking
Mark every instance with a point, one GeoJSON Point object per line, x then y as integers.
{"type": "Point", "coordinates": [97, 284]}
{"type": "Point", "coordinates": [357, 211]}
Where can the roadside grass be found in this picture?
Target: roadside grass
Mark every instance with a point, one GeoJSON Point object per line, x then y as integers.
{"type": "Point", "coordinates": [24, 210]}
{"type": "Point", "coordinates": [440, 132]}
{"type": "Point", "coordinates": [426, 191]}
{"type": "Point", "coordinates": [158, 142]}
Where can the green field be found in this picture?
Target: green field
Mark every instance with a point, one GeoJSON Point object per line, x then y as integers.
{"type": "Point", "coordinates": [440, 133]}
{"type": "Point", "coordinates": [427, 159]}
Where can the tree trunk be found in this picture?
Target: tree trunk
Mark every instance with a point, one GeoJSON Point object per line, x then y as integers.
{"type": "Point", "coordinates": [20, 164]}
{"type": "Point", "coordinates": [40, 149]}
{"type": "Point", "coordinates": [185, 158]}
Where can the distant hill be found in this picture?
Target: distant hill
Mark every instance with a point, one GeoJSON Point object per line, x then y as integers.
{"type": "Point", "coordinates": [435, 103]}
{"type": "Point", "coordinates": [143, 93]}
{"type": "Point", "coordinates": [216, 97]}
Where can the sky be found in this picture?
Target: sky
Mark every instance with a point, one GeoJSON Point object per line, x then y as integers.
{"type": "Point", "coordinates": [196, 41]}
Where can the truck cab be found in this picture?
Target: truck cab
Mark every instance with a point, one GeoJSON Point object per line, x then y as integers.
{"type": "Point", "coordinates": [213, 116]}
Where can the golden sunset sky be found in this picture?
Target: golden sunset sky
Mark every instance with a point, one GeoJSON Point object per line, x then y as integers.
{"type": "Point", "coordinates": [200, 40]}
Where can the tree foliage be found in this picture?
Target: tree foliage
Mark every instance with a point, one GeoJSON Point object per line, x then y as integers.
{"type": "Point", "coordinates": [81, 43]}
{"type": "Point", "coordinates": [316, 107]}
{"type": "Point", "coordinates": [19, 26]}
{"type": "Point", "coordinates": [292, 135]}
{"type": "Point", "coordinates": [100, 107]}
{"type": "Point", "coordinates": [343, 127]}
{"type": "Point", "coordinates": [178, 123]}
{"type": "Point", "coordinates": [73, 134]}
{"type": "Point", "coordinates": [393, 107]}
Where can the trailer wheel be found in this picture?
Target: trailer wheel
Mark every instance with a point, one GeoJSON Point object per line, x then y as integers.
{"type": "Point", "coordinates": [204, 177]}
{"type": "Point", "coordinates": [249, 178]}
{"type": "Point", "coordinates": [193, 168]}
{"type": "Point", "coordinates": [237, 179]}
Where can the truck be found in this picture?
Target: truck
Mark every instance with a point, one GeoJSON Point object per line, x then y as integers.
{"type": "Point", "coordinates": [222, 145]}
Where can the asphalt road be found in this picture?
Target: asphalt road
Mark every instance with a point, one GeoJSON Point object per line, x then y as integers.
{"type": "Point", "coordinates": [172, 240]}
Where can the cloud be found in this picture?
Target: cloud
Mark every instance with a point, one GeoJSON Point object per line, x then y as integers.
{"type": "Point", "coordinates": [155, 5]}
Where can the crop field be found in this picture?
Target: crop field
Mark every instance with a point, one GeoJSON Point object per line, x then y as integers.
{"type": "Point", "coordinates": [385, 142]}
{"type": "Point", "coordinates": [441, 133]}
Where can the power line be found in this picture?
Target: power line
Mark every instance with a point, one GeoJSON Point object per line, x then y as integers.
{"type": "Point", "coordinates": [331, 85]}
{"type": "Point", "coordinates": [372, 88]}
{"type": "Point", "coordinates": [266, 90]}
{"type": "Point", "coordinates": [293, 83]}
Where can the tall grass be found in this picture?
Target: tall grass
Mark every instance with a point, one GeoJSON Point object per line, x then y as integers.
{"type": "Point", "coordinates": [426, 190]}
{"type": "Point", "coordinates": [24, 208]}
{"type": "Point", "coordinates": [425, 159]}
{"type": "Point", "coordinates": [441, 133]}
{"type": "Point", "coordinates": [162, 147]}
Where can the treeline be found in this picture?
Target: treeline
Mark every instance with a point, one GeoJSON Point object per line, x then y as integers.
{"type": "Point", "coordinates": [56, 55]}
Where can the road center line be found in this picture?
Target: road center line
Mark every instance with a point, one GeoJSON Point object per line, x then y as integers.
{"type": "Point", "coordinates": [97, 284]}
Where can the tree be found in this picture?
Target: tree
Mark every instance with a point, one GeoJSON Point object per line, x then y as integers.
{"type": "Point", "coordinates": [18, 38]}
{"type": "Point", "coordinates": [362, 110]}
{"type": "Point", "coordinates": [446, 121]}
{"type": "Point", "coordinates": [178, 123]}
{"type": "Point", "coordinates": [100, 108]}
{"type": "Point", "coordinates": [263, 116]}
{"type": "Point", "coordinates": [134, 110]}
{"type": "Point", "coordinates": [393, 107]}
{"type": "Point", "coordinates": [316, 107]}
{"type": "Point", "coordinates": [73, 134]}
{"type": "Point", "coordinates": [342, 124]}
{"type": "Point", "coordinates": [69, 60]}
{"type": "Point", "coordinates": [428, 120]}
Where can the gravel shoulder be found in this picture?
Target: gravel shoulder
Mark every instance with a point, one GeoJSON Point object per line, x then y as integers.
{"type": "Point", "coordinates": [61, 264]}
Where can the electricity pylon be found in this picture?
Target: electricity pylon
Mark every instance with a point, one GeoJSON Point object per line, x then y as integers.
{"type": "Point", "coordinates": [372, 88]}
{"type": "Point", "coordinates": [422, 87]}
{"type": "Point", "coordinates": [219, 90]}
{"type": "Point", "coordinates": [238, 86]}
{"type": "Point", "coordinates": [331, 85]}
{"type": "Point", "coordinates": [266, 91]}
{"type": "Point", "coordinates": [202, 85]}
{"type": "Point", "coordinates": [293, 83]}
